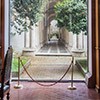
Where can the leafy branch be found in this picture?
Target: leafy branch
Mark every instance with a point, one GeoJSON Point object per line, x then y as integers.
{"type": "Point", "coordinates": [25, 13]}
{"type": "Point", "coordinates": [72, 14]}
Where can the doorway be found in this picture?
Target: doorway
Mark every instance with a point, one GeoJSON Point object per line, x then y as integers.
{"type": "Point", "coordinates": [35, 40]}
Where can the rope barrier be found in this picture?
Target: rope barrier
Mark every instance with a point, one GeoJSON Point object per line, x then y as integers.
{"type": "Point", "coordinates": [72, 87]}
{"type": "Point", "coordinates": [17, 86]}
{"type": "Point", "coordinates": [45, 84]}
{"type": "Point", "coordinates": [48, 85]}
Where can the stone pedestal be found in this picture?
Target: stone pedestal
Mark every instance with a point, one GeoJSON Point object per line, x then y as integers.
{"type": "Point", "coordinates": [28, 52]}
{"type": "Point", "coordinates": [78, 53]}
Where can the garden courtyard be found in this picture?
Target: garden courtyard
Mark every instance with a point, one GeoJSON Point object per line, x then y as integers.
{"type": "Point", "coordinates": [49, 38]}
{"type": "Point", "coordinates": [50, 63]}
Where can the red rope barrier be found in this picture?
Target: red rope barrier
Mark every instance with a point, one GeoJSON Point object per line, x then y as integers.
{"type": "Point", "coordinates": [45, 84]}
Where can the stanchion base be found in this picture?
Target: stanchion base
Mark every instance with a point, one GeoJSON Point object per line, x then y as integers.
{"type": "Point", "coordinates": [18, 86]}
{"type": "Point", "coordinates": [72, 88]}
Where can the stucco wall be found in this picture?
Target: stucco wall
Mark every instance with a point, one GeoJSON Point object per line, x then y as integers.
{"type": "Point", "coordinates": [17, 41]}
{"type": "Point", "coordinates": [71, 41]}
{"type": "Point", "coordinates": [65, 36]}
{"type": "Point", "coordinates": [38, 36]}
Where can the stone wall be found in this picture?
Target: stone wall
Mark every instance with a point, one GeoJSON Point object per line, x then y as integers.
{"type": "Point", "coordinates": [30, 41]}
{"type": "Point", "coordinates": [17, 42]}
{"type": "Point", "coordinates": [64, 36]}
{"type": "Point", "coordinates": [75, 43]}
{"type": "Point", "coordinates": [37, 37]}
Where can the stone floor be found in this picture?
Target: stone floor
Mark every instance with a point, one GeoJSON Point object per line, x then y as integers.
{"type": "Point", "coordinates": [53, 47]}
{"type": "Point", "coordinates": [32, 91]}
{"type": "Point", "coordinates": [52, 67]}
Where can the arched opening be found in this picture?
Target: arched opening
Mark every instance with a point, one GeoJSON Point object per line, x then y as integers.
{"type": "Point", "coordinates": [54, 31]}
{"type": "Point", "coordinates": [38, 35]}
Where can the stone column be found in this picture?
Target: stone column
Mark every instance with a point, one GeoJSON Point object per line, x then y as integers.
{"type": "Point", "coordinates": [70, 39]}
{"type": "Point", "coordinates": [74, 41]}
{"type": "Point", "coordinates": [24, 39]}
{"type": "Point", "coordinates": [27, 40]}
{"type": "Point", "coordinates": [30, 38]}
{"type": "Point", "coordinates": [28, 43]}
{"type": "Point", "coordinates": [80, 41]}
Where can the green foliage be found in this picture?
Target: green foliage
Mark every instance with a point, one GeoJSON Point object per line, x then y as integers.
{"type": "Point", "coordinates": [72, 14]}
{"type": "Point", "coordinates": [15, 64]}
{"type": "Point", "coordinates": [54, 34]}
{"type": "Point", "coordinates": [84, 64]}
{"type": "Point", "coordinates": [26, 13]}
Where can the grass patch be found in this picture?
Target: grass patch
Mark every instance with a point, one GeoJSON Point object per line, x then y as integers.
{"type": "Point", "coordinates": [15, 63]}
{"type": "Point", "coordinates": [84, 65]}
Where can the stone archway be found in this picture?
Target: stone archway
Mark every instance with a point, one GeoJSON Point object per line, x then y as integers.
{"type": "Point", "coordinates": [54, 30]}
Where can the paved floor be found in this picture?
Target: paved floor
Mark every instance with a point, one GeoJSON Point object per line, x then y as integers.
{"type": "Point", "coordinates": [53, 48]}
{"type": "Point", "coordinates": [52, 67]}
{"type": "Point", "coordinates": [32, 91]}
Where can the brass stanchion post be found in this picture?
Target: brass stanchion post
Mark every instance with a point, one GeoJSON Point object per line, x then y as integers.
{"type": "Point", "coordinates": [72, 87]}
{"type": "Point", "coordinates": [17, 86]}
